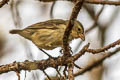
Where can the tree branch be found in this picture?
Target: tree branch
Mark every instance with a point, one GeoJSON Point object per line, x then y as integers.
{"type": "Point", "coordinates": [116, 3]}
{"type": "Point", "coordinates": [96, 63]}
{"type": "Point", "coordinates": [70, 25]}
{"type": "Point", "coordinates": [94, 51]}
{"type": "Point", "coordinates": [60, 61]}
{"type": "Point", "coordinates": [3, 2]}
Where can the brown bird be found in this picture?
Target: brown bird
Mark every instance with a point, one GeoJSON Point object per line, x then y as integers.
{"type": "Point", "coordinates": [49, 34]}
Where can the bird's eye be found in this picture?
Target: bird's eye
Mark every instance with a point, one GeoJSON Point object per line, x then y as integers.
{"type": "Point", "coordinates": [78, 29]}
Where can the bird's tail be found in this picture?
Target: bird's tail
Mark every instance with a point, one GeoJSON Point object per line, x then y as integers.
{"type": "Point", "coordinates": [15, 31]}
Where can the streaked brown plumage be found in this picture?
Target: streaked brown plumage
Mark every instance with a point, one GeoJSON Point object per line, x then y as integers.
{"type": "Point", "coordinates": [49, 34]}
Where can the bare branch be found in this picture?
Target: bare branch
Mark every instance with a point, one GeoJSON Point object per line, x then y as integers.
{"type": "Point", "coordinates": [74, 15]}
{"type": "Point", "coordinates": [94, 51]}
{"type": "Point", "coordinates": [70, 71]}
{"type": "Point", "coordinates": [66, 50]}
{"type": "Point", "coordinates": [116, 3]}
{"type": "Point", "coordinates": [96, 63]}
{"type": "Point", "coordinates": [55, 62]}
{"type": "Point", "coordinates": [18, 74]}
{"type": "Point", "coordinates": [3, 2]}
{"type": "Point", "coordinates": [95, 20]}
{"type": "Point", "coordinates": [47, 75]}
{"type": "Point", "coordinates": [81, 52]}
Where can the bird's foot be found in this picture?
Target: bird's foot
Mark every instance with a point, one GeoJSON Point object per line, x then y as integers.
{"type": "Point", "coordinates": [61, 51]}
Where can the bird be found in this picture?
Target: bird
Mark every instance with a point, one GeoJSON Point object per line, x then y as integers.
{"type": "Point", "coordinates": [49, 34]}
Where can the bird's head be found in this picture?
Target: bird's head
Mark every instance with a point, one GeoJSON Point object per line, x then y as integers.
{"type": "Point", "coordinates": [78, 30]}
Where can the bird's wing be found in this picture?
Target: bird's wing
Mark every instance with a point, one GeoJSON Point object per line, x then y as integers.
{"type": "Point", "coordinates": [50, 24]}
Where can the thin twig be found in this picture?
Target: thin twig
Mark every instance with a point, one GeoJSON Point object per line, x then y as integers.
{"type": "Point", "coordinates": [96, 63]}
{"type": "Point", "coordinates": [64, 72]}
{"type": "Point", "coordinates": [95, 20]}
{"type": "Point", "coordinates": [18, 75]}
{"type": "Point", "coordinates": [46, 53]}
{"type": "Point", "coordinates": [77, 66]}
{"type": "Point", "coordinates": [76, 56]}
{"type": "Point", "coordinates": [51, 10]}
{"type": "Point", "coordinates": [116, 3]}
{"type": "Point", "coordinates": [50, 62]}
{"type": "Point", "coordinates": [70, 71]}
{"type": "Point", "coordinates": [47, 75]}
{"type": "Point", "coordinates": [94, 51]}
{"type": "Point", "coordinates": [59, 73]}
{"type": "Point", "coordinates": [25, 74]}
{"type": "Point", "coordinates": [3, 2]}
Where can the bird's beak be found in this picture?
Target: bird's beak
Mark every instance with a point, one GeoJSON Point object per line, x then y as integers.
{"type": "Point", "coordinates": [82, 36]}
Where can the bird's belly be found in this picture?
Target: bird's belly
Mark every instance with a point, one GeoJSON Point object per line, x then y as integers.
{"type": "Point", "coordinates": [48, 41]}
{"type": "Point", "coordinates": [48, 45]}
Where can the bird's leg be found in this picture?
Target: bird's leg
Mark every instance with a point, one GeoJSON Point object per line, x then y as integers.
{"type": "Point", "coordinates": [46, 53]}
{"type": "Point", "coordinates": [61, 51]}
{"type": "Point", "coordinates": [70, 49]}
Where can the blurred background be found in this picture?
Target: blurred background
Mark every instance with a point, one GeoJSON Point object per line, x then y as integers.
{"type": "Point", "coordinates": [101, 24]}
